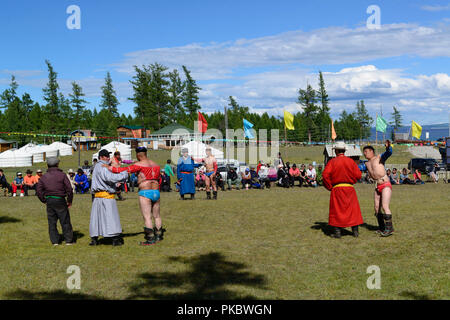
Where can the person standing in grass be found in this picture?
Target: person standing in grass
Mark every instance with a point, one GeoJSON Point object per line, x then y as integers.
{"type": "Point", "coordinates": [105, 220]}
{"type": "Point", "coordinates": [383, 190]}
{"type": "Point", "coordinates": [52, 189]}
{"type": "Point", "coordinates": [169, 171]}
{"type": "Point", "coordinates": [339, 176]}
{"type": "Point", "coordinates": [185, 174]}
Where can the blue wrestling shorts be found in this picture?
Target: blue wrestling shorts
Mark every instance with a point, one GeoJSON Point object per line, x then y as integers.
{"type": "Point", "coordinates": [153, 195]}
{"type": "Point", "coordinates": [208, 174]}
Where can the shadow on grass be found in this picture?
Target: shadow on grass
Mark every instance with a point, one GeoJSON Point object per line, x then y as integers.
{"type": "Point", "coordinates": [370, 227]}
{"type": "Point", "coordinates": [49, 295]}
{"type": "Point", "coordinates": [329, 230]}
{"type": "Point", "coordinates": [414, 295]}
{"type": "Point", "coordinates": [207, 278]}
{"type": "Point", "coordinates": [6, 219]}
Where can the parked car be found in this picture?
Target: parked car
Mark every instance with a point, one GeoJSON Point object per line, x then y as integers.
{"type": "Point", "coordinates": [422, 164]}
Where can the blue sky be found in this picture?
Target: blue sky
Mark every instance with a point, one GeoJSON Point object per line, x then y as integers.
{"type": "Point", "coordinates": [260, 52]}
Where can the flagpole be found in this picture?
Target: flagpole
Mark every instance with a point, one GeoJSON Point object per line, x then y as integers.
{"type": "Point", "coordinates": [376, 133]}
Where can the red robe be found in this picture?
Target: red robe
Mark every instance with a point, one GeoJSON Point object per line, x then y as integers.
{"type": "Point", "coordinates": [344, 205]}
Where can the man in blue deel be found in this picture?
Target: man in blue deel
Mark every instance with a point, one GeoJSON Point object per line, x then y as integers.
{"type": "Point", "coordinates": [185, 173]}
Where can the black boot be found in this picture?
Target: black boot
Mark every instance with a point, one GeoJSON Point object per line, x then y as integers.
{"type": "Point", "coordinates": [381, 224]}
{"type": "Point", "coordinates": [117, 241]}
{"type": "Point", "coordinates": [182, 197]}
{"type": "Point", "coordinates": [389, 229]}
{"type": "Point", "coordinates": [355, 231]}
{"type": "Point", "coordinates": [192, 196]}
{"type": "Point", "coordinates": [159, 233]}
{"type": "Point", "coordinates": [94, 241]}
{"type": "Point", "coordinates": [215, 195]}
{"type": "Point", "coordinates": [208, 195]}
{"type": "Point", "coordinates": [119, 195]}
{"type": "Point", "coordinates": [149, 237]}
{"type": "Point", "coordinates": [337, 233]}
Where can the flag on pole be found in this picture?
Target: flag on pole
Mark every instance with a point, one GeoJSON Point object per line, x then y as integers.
{"type": "Point", "coordinates": [247, 129]}
{"type": "Point", "coordinates": [202, 124]}
{"type": "Point", "coordinates": [416, 130]}
{"type": "Point", "coordinates": [333, 133]}
{"type": "Point", "coordinates": [288, 120]}
{"type": "Point", "coordinates": [381, 124]}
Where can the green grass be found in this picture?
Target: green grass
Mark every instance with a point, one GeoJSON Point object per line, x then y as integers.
{"type": "Point", "coordinates": [256, 244]}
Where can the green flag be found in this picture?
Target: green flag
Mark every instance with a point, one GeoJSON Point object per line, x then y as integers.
{"type": "Point", "coordinates": [381, 124]}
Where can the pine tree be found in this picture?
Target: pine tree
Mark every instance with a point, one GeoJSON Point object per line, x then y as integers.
{"type": "Point", "coordinates": [364, 119]}
{"type": "Point", "coordinates": [308, 99]}
{"type": "Point", "coordinates": [77, 103]}
{"type": "Point", "coordinates": [190, 95]}
{"type": "Point", "coordinates": [323, 117]}
{"type": "Point", "coordinates": [109, 99]}
{"type": "Point", "coordinates": [175, 92]}
{"type": "Point", "coordinates": [52, 108]}
{"type": "Point", "coordinates": [9, 95]}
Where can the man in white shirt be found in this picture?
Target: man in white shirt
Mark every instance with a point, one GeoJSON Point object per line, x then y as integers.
{"type": "Point", "coordinates": [311, 176]}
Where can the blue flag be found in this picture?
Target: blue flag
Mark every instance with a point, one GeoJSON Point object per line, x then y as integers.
{"type": "Point", "coordinates": [247, 131]}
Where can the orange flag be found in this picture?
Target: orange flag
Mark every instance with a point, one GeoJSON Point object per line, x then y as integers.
{"type": "Point", "coordinates": [202, 124]}
{"type": "Point", "coordinates": [333, 133]}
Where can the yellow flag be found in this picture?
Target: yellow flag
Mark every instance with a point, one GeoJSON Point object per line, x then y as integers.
{"type": "Point", "coordinates": [288, 121]}
{"type": "Point", "coordinates": [333, 133]}
{"type": "Point", "coordinates": [416, 130]}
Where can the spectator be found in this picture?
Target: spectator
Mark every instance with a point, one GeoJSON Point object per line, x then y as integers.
{"type": "Point", "coordinates": [200, 181]}
{"type": "Point", "coordinates": [302, 175]}
{"type": "Point", "coordinates": [263, 175]}
{"type": "Point", "coordinates": [52, 190]}
{"type": "Point", "coordinates": [133, 181]}
{"type": "Point", "coordinates": [71, 177]}
{"type": "Point", "coordinates": [278, 161]}
{"type": "Point", "coordinates": [255, 179]}
{"type": "Point", "coordinates": [319, 176]}
{"type": "Point", "coordinates": [38, 175]}
{"type": "Point", "coordinates": [220, 183]}
{"type": "Point", "coordinates": [165, 182]}
{"type": "Point", "coordinates": [394, 177]}
{"type": "Point", "coordinates": [233, 179]}
{"type": "Point", "coordinates": [283, 178]}
{"type": "Point", "coordinates": [169, 171]}
{"type": "Point", "coordinates": [81, 182]}
{"type": "Point", "coordinates": [246, 179]}
{"type": "Point", "coordinates": [294, 175]}
{"type": "Point", "coordinates": [434, 174]}
{"type": "Point", "coordinates": [311, 176]}
{"type": "Point", "coordinates": [273, 173]}
{"type": "Point", "coordinates": [86, 168]}
{"type": "Point", "coordinates": [404, 177]}
{"type": "Point", "coordinates": [417, 177]}
{"type": "Point", "coordinates": [4, 184]}
{"type": "Point", "coordinates": [18, 183]}
{"type": "Point", "coordinates": [29, 182]}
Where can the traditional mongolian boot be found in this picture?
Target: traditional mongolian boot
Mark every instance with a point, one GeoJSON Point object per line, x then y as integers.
{"type": "Point", "coordinates": [192, 196]}
{"type": "Point", "coordinates": [215, 195]}
{"type": "Point", "coordinates": [159, 233]}
{"type": "Point", "coordinates": [380, 223]}
{"type": "Point", "coordinates": [117, 241]}
{"type": "Point", "coordinates": [389, 230]}
{"type": "Point", "coordinates": [182, 197]}
{"type": "Point", "coordinates": [355, 231]}
{"type": "Point", "coordinates": [337, 233]}
{"type": "Point", "coordinates": [208, 195]}
{"type": "Point", "coordinates": [149, 237]}
{"type": "Point", "coordinates": [94, 241]}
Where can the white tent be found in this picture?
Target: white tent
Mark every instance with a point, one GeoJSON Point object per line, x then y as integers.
{"type": "Point", "coordinates": [64, 149]}
{"type": "Point", "coordinates": [49, 151]}
{"type": "Point", "coordinates": [37, 152]}
{"type": "Point", "coordinates": [197, 150]}
{"type": "Point", "coordinates": [124, 149]}
{"type": "Point", "coordinates": [15, 158]}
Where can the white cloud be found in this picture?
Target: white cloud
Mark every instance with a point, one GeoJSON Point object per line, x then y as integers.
{"type": "Point", "coordinates": [435, 8]}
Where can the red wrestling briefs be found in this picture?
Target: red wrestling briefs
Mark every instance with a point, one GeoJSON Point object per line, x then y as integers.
{"type": "Point", "coordinates": [151, 173]}
{"type": "Point", "coordinates": [380, 187]}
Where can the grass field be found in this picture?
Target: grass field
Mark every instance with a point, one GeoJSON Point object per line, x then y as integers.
{"type": "Point", "coordinates": [255, 244]}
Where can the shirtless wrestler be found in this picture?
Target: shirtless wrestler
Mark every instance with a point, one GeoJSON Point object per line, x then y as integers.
{"type": "Point", "coordinates": [149, 196]}
{"type": "Point", "coordinates": [383, 190]}
{"type": "Point", "coordinates": [211, 171]}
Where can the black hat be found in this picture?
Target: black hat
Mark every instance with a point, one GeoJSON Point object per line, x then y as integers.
{"type": "Point", "coordinates": [104, 153]}
{"type": "Point", "coordinates": [141, 149]}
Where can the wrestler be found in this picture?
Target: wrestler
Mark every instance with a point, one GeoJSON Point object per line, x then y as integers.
{"type": "Point", "coordinates": [211, 170]}
{"type": "Point", "coordinates": [149, 181]}
{"type": "Point", "coordinates": [383, 190]}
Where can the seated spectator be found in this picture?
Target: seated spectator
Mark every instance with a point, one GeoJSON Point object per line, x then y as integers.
{"type": "Point", "coordinates": [434, 174]}
{"type": "Point", "coordinates": [18, 183]}
{"type": "Point", "coordinates": [393, 177]}
{"type": "Point", "coordinates": [263, 175]}
{"type": "Point", "coordinates": [4, 184]}
{"type": "Point", "coordinates": [417, 177]}
{"type": "Point", "coordinates": [71, 177]}
{"type": "Point", "coordinates": [302, 174]}
{"type": "Point", "coordinates": [132, 181]}
{"type": "Point", "coordinates": [220, 183]}
{"type": "Point", "coordinates": [404, 177]}
{"type": "Point", "coordinates": [311, 176]}
{"type": "Point", "coordinates": [200, 181]}
{"type": "Point", "coordinates": [165, 182]}
{"type": "Point", "coordinates": [38, 175]}
{"type": "Point", "coordinates": [319, 178]}
{"type": "Point", "coordinates": [283, 178]}
{"type": "Point", "coordinates": [29, 182]}
{"type": "Point", "coordinates": [273, 173]}
{"type": "Point", "coordinates": [246, 179]}
{"type": "Point", "coordinates": [255, 179]}
{"type": "Point", "coordinates": [294, 175]}
{"type": "Point", "coordinates": [81, 182]}
{"type": "Point", "coordinates": [233, 179]}
{"type": "Point", "coordinates": [87, 169]}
